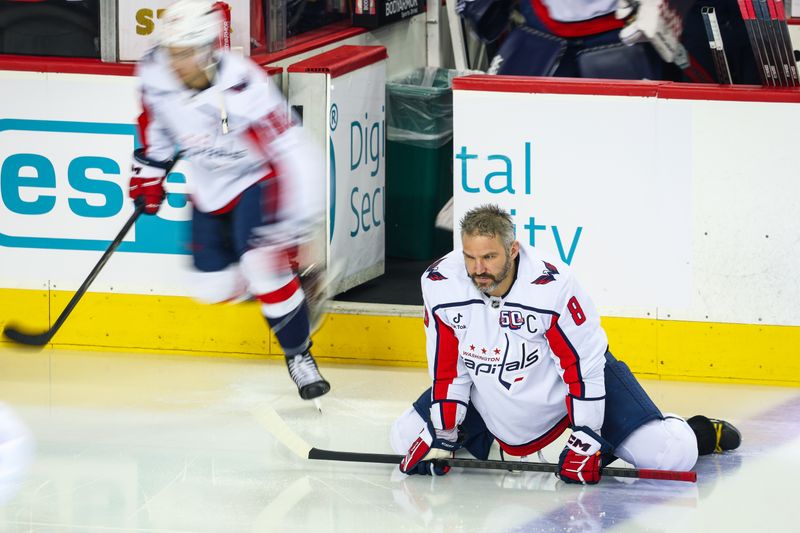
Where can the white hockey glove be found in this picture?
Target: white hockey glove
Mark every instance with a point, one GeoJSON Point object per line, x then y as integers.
{"type": "Point", "coordinates": [657, 22]}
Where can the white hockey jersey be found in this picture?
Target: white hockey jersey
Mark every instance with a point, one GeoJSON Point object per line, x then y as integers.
{"type": "Point", "coordinates": [578, 10]}
{"type": "Point", "coordinates": [234, 133]}
{"type": "Point", "coordinates": [572, 18]}
{"type": "Point", "coordinates": [531, 362]}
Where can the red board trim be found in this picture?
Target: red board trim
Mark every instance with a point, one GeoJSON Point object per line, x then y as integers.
{"type": "Point", "coordinates": [656, 89]}
{"type": "Point", "coordinates": [309, 41]}
{"type": "Point", "coordinates": [341, 60]}
{"type": "Point", "coordinates": [66, 65]}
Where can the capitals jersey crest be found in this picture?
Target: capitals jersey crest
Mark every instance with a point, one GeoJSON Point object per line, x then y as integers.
{"type": "Point", "coordinates": [547, 276]}
{"type": "Point", "coordinates": [433, 273]}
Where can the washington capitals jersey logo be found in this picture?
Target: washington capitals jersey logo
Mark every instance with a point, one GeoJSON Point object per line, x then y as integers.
{"type": "Point", "coordinates": [547, 276]}
{"type": "Point", "coordinates": [433, 273]}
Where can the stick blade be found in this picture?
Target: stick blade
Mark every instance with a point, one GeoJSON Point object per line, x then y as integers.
{"type": "Point", "coordinates": [274, 424]}
{"type": "Point", "coordinates": [26, 339]}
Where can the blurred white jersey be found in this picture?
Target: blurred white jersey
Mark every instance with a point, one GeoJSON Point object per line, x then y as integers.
{"type": "Point", "coordinates": [531, 362]}
{"type": "Point", "coordinates": [16, 453]}
{"type": "Point", "coordinates": [234, 133]}
{"type": "Point", "coordinates": [578, 10]}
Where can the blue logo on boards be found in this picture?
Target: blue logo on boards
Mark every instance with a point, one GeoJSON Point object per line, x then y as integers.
{"type": "Point", "coordinates": [511, 175]}
{"type": "Point", "coordinates": [31, 196]}
{"type": "Point", "coordinates": [332, 201]}
{"type": "Point", "coordinates": [366, 143]}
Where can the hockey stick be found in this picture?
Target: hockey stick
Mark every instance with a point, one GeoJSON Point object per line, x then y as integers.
{"type": "Point", "coordinates": [752, 34]}
{"type": "Point", "coordinates": [722, 58]}
{"type": "Point", "coordinates": [40, 339]}
{"type": "Point", "coordinates": [712, 44]}
{"type": "Point", "coordinates": [785, 39]}
{"type": "Point", "coordinates": [273, 423]}
{"type": "Point", "coordinates": [328, 455]}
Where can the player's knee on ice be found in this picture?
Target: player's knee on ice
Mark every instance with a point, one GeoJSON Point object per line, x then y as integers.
{"type": "Point", "coordinates": [405, 430]}
{"type": "Point", "coordinates": [668, 444]}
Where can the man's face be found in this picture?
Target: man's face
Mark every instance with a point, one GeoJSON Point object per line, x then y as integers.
{"type": "Point", "coordinates": [487, 262]}
{"type": "Point", "coordinates": [185, 61]}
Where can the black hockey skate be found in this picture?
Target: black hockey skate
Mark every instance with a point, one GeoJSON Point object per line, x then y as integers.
{"type": "Point", "coordinates": [713, 435]}
{"type": "Point", "coordinates": [305, 374]}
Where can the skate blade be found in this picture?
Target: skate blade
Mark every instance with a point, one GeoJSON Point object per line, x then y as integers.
{"type": "Point", "coordinates": [318, 404]}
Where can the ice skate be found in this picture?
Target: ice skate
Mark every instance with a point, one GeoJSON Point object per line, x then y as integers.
{"type": "Point", "coordinates": [714, 435]}
{"type": "Point", "coordinates": [305, 374]}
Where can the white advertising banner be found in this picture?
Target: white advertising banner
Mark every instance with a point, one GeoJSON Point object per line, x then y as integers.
{"type": "Point", "coordinates": [559, 175]}
{"type": "Point", "coordinates": [660, 204]}
{"type": "Point", "coordinates": [138, 24]}
{"type": "Point", "coordinates": [65, 152]}
{"type": "Point", "coordinates": [357, 164]}
{"type": "Point", "coordinates": [340, 96]}
{"type": "Point", "coordinates": [65, 149]}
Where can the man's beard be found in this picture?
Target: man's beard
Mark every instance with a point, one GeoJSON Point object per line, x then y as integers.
{"type": "Point", "coordinates": [496, 280]}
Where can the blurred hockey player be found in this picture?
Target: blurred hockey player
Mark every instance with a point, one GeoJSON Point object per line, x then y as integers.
{"type": "Point", "coordinates": [257, 183]}
{"type": "Point", "coordinates": [565, 38]}
{"type": "Point", "coordinates": [612, 39]}
{"type": "Point", "coordinates": [517, 354]}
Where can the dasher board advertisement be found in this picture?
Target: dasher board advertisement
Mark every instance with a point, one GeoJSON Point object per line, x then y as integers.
{"type": "Point", "coordinates": [357, 172]}
{"type": "Point", "coordinates": [138, 24]}
{"type": "Point", "coordinates": [340, 97]}
{"type": "Point", "coordinates": [65, 153]}
{"type": "Point", "coordinates": [660, 196]}
{"type": "Point", "coordinates": [376, 13]}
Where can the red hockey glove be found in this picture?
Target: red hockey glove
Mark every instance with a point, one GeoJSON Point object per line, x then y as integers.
{"type": "Point", "coordinates": [147, 182]}
{"type": "Point", "coordinates": [580, 460]}
{"type": "Point", "coordinates": [149, 191]}
{"type": "Point", "coordinates": [422, 454]}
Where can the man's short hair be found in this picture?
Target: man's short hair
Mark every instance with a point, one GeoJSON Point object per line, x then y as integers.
{"type": "Point", "coordinates": [489, 220]}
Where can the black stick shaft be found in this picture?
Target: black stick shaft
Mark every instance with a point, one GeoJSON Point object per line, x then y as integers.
{"type": "Point", "coordinates": [786, 41]}
{"type": "Point", "coordinates": [41, 339]}
{"type": "Point", "coordinates": [746, 8]}
{"type": "Point", "coordinates": [762, 20]}
{"type": "Point", "coordinates": [97, 268]}
{"type": "Point", "coordinates": [329, 455]}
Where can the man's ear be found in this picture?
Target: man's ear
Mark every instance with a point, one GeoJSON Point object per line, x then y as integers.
{"type": "Point", "coordinates": [514, 249]}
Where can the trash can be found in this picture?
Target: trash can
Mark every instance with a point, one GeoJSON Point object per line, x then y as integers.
{"type": "Point", "coordinates": [419, 162]}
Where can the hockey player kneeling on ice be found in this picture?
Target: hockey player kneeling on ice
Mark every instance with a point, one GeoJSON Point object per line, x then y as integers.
{"type": "Point", "coordinates": [256, 182]}
{"type": "Point", "coordinates": [517, 355]}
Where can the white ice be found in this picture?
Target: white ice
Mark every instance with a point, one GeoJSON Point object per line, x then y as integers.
{"type": "Point", "coordinates": [167, 444]}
